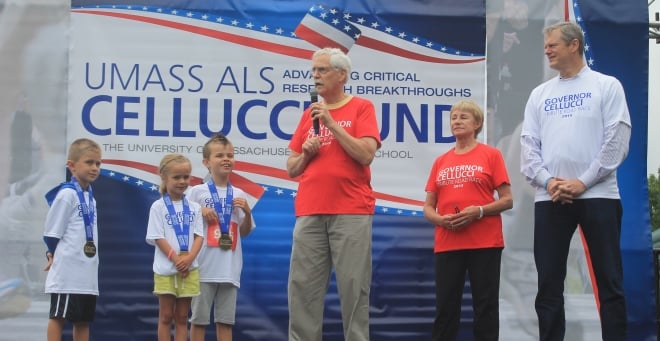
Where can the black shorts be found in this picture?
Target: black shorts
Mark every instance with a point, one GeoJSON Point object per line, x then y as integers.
{"type": "Point", "coordinates": [73, 307]}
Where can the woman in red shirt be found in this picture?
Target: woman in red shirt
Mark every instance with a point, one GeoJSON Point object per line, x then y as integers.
{"type": "Point", "coordinates": [460, 202]}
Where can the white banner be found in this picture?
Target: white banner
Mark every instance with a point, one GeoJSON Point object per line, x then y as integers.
{"type": "Point", "coordinates": [146, 81]}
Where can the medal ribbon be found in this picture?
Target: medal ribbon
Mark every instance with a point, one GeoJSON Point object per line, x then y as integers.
{"type": "Point", "coordinates": [182, 230]}
{"type": "Point", "coordinates": [87, 209]}
{"type": "Point", "coordinates": [225, 207]}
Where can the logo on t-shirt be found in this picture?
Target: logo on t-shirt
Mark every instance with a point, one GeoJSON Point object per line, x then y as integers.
{"type": "Point", "coordinates": [326, 135]}
{"type": "Point", "coordinates": [459, 174]}
{"type": "Point", "coordinates": [567, 105]}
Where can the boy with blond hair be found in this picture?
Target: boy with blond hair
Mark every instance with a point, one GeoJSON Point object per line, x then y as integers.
{"type": "Point", "coordinates": [228, 218]}
{"type": "Point", "coordinates": [71, 236]}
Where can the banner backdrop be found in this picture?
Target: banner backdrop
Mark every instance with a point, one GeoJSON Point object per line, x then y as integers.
{"type": "Point", "coordinates": [150, 80]}
{"type": "Point", "coordinates": [154, 77]}
{"type": "Point", "coordinates": [153, 80]}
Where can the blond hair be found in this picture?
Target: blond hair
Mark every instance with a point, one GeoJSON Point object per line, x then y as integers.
{"type": "Point", "coordinates": [81, 146]}
{"type": "Point", "coordinates": [473, 108]}
{"type": "Point", "coordinates": [165, 164]}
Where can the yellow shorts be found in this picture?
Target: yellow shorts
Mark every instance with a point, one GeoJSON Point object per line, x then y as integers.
{"type": "Point", "coordinates": [177, 285]}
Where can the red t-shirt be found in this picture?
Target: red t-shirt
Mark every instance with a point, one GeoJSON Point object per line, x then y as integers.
{"type": "Point", "coordinates": [470, 179]}
{"type": "Point", "coordinates": [332, 182]}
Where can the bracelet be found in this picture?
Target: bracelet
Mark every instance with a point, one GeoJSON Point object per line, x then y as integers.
{"type": "Point", "coordinates": [481, 212]}
{"type": "Point", "coordinates": [169, 254]}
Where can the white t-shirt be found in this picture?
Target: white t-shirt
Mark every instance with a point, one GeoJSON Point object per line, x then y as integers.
{"type": "Point", "coordinates": [569, 117]}
{"type": "Point", "coordinates": [72, 272]}
{"type": "Point", "coordinates": [217, 265]}
{"type": "Point", "coordinates": [160, 227]}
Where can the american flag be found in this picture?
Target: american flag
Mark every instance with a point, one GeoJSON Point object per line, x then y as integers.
{"type": "Point", "coordinates": [321, 26]}
{"type": "Point", "coordinates": [587, 50]}
{"type": "Point", "coordinates": [326, 28]}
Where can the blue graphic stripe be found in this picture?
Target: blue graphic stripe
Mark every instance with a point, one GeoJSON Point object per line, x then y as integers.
{"type": "Point", "coordinates": [284, 195]}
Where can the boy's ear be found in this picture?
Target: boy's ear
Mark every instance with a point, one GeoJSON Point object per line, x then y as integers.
{"type": "Point", "coordinates": [205, 162]}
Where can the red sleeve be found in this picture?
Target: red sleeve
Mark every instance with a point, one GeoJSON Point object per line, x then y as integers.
{"type": "Point", "coordinates": [367, 124]}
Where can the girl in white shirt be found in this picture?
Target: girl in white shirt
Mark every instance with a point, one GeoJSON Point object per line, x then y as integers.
{"type": "Point", "coordinates": [177, 241]}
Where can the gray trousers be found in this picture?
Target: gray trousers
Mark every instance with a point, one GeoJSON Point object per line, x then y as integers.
{"type": "Point", "coordinates": [321, 242]}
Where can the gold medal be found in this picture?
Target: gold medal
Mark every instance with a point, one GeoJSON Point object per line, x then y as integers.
{"type": "Point", "coordinates": [89, 249]}
{"type": "Point", "coordinates": [225, 241]}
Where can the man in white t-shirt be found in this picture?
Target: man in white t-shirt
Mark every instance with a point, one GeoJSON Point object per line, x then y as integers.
{"type": "Point", "coordinates": [575, 135]}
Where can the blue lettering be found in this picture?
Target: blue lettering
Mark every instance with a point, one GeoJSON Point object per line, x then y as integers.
{"type": "Point", "coordinates": [385, 121]}
{"type": "Point", "coordinates": [114, 71]}
{"type": "Point", "coordinates": [87, 115]}
{"type": "Point", "coordinates": [275, 115]}
{"type": "Point", "coordinates": [245, 83]}
{"type": "Point", "coordinates": [204, 118]}
{"type": "Point", "coordinates": [403, 121]}
{"type": "Point", "coordinates": [154, 73]}
{"type": "Point", "coordinates": [262, 74]}
{"type": "Point", "coordinates": [403, 114]}
{"type": "Point", "coordinates": [242, 119]}
{"type": "Point", "coordinates": [120, 79]}
{"type": "Point", "coordinates": [176, 121]}
{"type": "Point", "coordinates": [151, 120]}
{"type": "Point", "coordinates": [200, 83]}
{"type": "Point", "coordinates": [405, 118]}
{"type": "Point", "coordinates": [297, 74]}
{"type": "Point", "coordinates": [101, 81]}
{"type": "Point", "coordinates": [123, 115]}
{"type": "Point", "coordinates": [440, 109]}
{"type": "Point", "coordinates": [231, 82]}
{"type": "Point", "coordinates": [176, 77]}
{"type": "Point", "coordinates": [228, 79]}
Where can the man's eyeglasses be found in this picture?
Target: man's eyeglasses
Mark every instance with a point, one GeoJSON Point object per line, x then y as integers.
{"type": "Point", "coordinates": [322, 70]}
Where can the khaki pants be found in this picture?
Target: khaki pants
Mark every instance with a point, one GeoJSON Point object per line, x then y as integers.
{"type": "Point", "coordinates": [321, 242]}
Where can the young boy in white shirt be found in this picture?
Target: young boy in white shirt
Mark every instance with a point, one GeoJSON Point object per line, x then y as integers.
{"type": "Point", "coordinates": [227, 218]}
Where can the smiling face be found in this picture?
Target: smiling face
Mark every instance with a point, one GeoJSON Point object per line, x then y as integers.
{"type": "Point", "coordinates": [176, 178]}
{"type": "Point", "coordinates": [86, 169]}
{"type": "Point", "coordinates": [220, 161]}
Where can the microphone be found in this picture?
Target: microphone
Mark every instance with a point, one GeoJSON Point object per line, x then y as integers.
{"type": "Point", "coordinates": [315, 121]}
